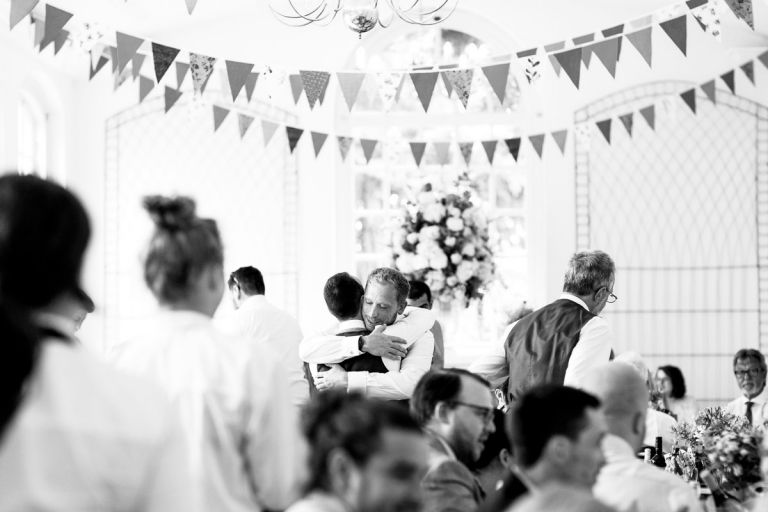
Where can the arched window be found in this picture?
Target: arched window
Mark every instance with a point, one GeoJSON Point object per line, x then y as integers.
{"type": "Point", "coordinates": [32, 137]}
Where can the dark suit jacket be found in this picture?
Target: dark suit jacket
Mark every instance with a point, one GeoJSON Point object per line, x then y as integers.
{"type": "Point", "coordinates": [500, 500]}
{"type": "Point", "coordinates": [449, 486]}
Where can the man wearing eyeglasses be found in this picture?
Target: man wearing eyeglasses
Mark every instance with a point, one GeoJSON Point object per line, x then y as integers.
{"type": "Point", "coordinates": [749, 368]}
{"type": "Point", "coordinates": [455, 409]}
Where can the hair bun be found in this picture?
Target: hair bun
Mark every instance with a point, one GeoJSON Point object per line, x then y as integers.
{"type": "Point", "coordinates": [171, 213]}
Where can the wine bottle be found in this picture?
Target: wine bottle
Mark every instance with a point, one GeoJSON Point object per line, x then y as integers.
{"type": "Point", "coordinates": [658, 455]}
{"type": "Point", "coordinates": [647, 456]}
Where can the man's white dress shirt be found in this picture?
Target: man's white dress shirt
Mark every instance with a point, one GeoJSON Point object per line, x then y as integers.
{"type": "Point", "coordinates": [265, 324]}
{"type": "Point", "coordinates": [319, 501]}
{"type": "Point", "coordinates": [400, 381]}
{"type": "Point", "coordinates": [659, 424]}
{"type": "Point", "coordinates": [89, 438]}
{"type": "Point", "coordinates": [759, 407]}
{"type": "Point", "coordinates": [235, 407]}
{"type": "Point", "coordinates": [627, 484]}
{"type": "Point", "coordinates": [594, 348]}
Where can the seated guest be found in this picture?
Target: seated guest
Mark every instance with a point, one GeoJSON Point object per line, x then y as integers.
{"type": "Point", "coordinates": [556, 433]}
{"type": "Point", "coordinates": [74, 433]}
{"type": "Point", "coordinates": [233, 397]}
{"type": "Point", "coordinates": [749, 369]}
{"type": "Point", "coordinates": [384, 301]}
{"type": "Point", "coordinates": [671, 384]}
{"type": "Point", "coordinates": [256, 319]}
{"type": "Point", "coordinates": [561, 498]}
{"type": "Point", "coordinates": [494, 464]}
{"type": "Point", "coordinates": [420, 296]}
{"type": "Point", "coordinates": [455, 409]}
{"type": "Point", "coordinates": [365, 456]}
{"type": "Point", "coordinates": [626, 482]}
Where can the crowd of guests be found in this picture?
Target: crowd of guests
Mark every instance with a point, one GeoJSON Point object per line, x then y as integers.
{"type": "Point", "coordinates": [245, 413]}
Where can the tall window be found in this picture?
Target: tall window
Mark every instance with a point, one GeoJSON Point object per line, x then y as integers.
{"type": "Point", "coordinates": [32, 137]}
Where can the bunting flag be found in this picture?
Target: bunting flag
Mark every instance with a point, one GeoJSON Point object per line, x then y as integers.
{"type": "Point", "coordinates": [466, 151]}
{"type": "Point", "coordinates": [201, 67]}
{"type": "Point", "coordinates": [55, 19]}
{"type": "Point", "coordinates": [627, 121]}
{"type": "Point", "coordinates": [461, 82]}
{"type": "Point", "coordinates": [424, 83]}
{"type": "Point", "coordinates": [181, 73]}
{"type": "Point", "coordinates": [293, 134]}
{"type": "Point", "coordinates": [237, 75]}
{"type": "Point", "coordinates": [297, 87]}
{"type": "Point", "coordinates": [497, 76]}
{"type": "Point", "coordinates": [729, 79]}
{"type": "Point", "coordinates": [145, 87]}
{"type": "Point", "coordinates": [490, 149]}
{"type": "Point", "coordinates": [570, 60]}
{"type": "Point", "coordinates": [447, 83]}
{"type": "Point", "coordinates": [608, 53]}
{"type": "Point", "coordinates": [582, 40]}
{"type": "Point", "coordinates": [344, 144]}
{"type": "Point", "coordinates": [689, 97]}
{"type": "Point", "coordinates": [58, 43]}
{"type": "Point", "coordinates": [555, 64]}
{"type": "Point", "coordinates": [369, 145]}
{"type": "Point", "coordinates": [613, 31]}
{"type": "Point", "coordinates": [554, 47]}
{"type": "Point", "coordinates": [605, 129]}
{"type": "Point", "coordinates": [163, 56]}
{"type": "Point", "coordinates": [314, 84]}
{"type": "Point", "coordinates": [39, 32]}
{"type": "Point", "coordinates": [763, 57]}
{"type": "Point", "coordinates": [586, 56]}
{"type": "Point", "coordinates": [350, 84]}
{"type": "Point", "coordinates": [127, 46]}
{"type": "Point", "coordinates": [676, 29]}
{"type": "Point", "coordinates": [171, 97]}
{"type": "Point", "coordinates": [537, 141]}
{"type": "Point", "coordinates": [560, 138]}
{"type": "Point", "coordinates": [136, 63]}
{"type": "Point", "coordinates": [113, 58]}
{"type": "Point", "coordinates": [709, 90]}
{"type": "Point", "coordinates": [318, 140]}
{"type": "Point", "coordinates": [250, 84]}
{"type": "Point", "coordinates": [268, 129]}
{"type": "Point", "coordinates": [749, 71]}
{"type": "Point", "coordinates": [120, 78]}
{"type": "Point", "coordinates": [514, 147]}
{"type": "Point", "coordinates": [243, 123]}
{"type": "Point", "coordinates": [219, 115]}
{"type": "Point", "coordinates": [191, 5]}
{"type": "Point", "coordinates": [442, 150]}
{"type": "Point", "coordinates": [20, 9]}
{"type": "Point", "coordinates": [642, 42]}
{"type": "Point", "coordinates": [743, 10]}
{"type": "Point", "coordinates": [649, 114]}
{"type": "Point", "coordinates": [417, 150]}
{"type": "Point", "coordinates": [99, 64]}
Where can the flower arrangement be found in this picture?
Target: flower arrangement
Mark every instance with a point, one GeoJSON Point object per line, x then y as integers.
{"type": "Point", "coordinates": [443, 241]}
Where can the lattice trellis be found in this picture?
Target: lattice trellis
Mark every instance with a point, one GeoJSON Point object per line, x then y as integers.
{"type": "Point", "coordinates": [683, 210]}
{"type": "Point", "coordinates": [251, 191]}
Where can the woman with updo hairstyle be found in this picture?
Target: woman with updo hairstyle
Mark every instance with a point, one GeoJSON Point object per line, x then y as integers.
{"type": "Point", "coordinates": [231, 395]}
{"type": "Point", "coordinates": [74, 433]}
{"type": "Point", "coordinates": [671, 385]}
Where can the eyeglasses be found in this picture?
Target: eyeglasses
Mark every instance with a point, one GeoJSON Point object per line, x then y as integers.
{"type": "Point", "coordinates": [752, 372]}
{"type": "Point", "coordinates": [485, 412]}
{"type": "Point", "coordinates": [611, 297]}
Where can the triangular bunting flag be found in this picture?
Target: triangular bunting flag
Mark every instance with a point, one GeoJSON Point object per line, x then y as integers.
{"type": "Point", "coordinates": [237, 75]}
{"type": "Point", "coordinates": [297, 86]}
{"type": "Point", "coordinates": [582, 40]}
{"type": "Point", "coordinates": [136, 63]}
{"type": "Point", "coordinates": [127, 46]}
{"type": "Point", "coordinates": [560, 138]}
{"type": "Point", "coordinates": [763, 57]}
{"type": "Point", "coordinates": [613, 31]}
{"type": "Point", "coordinates": [417, 150]}
{"type": "Point", "coordinates": [39, 31]}
{"type": "Point", "coordinates": [490, 149]}
{"type": "Point", "coordinates": [497, 76]}
{"type": "Point", "coordinates": [641, 40]}
{"type": "Point", "coordinates": [201, 67]}
{"type": "Point", "coordinates": [268, 129]}
{"type": "Point", "coordinates": [314, 83]}
{"type": "Point", "coordinates": [605, 129]}
{"type": "Point", "coordinates": [555, 64]}
{"type": "Point", "coordinates": [709, 90]}
{"type": "Point", "coordinates": [318, 139]}
{"type": "Point", "coordinates": [145, 87]}
{"type": "Point", "coordinates": [344, 144]}
{"type": "Point", "coordinates": [294, 134]}
{"type": "Point", "coordinates": [570, 61]}
{"type": "Point", "coordinates": [608, 53]}
{"type": "Point", "coordinates": [191, 5]}
{"type": "Point", "coordinates": [442, 151]}
{"type": "Point", "coordinates": [527, 53]}
{"type": "Point", "coordinates": [181, 73]}
{"type": "Point", "coordinates": [514, 147]}
{"type": "Point", "coordinates": [113, 58]}
{"type": "Point", "coordinates": [627, 121]}
{"type": "Point", "coordinates": [537, 141]}
{"type": "Point", "coordinates": [369, 145]}
{"type": "Point", "coordinates": [689, 97]}
{"type": "Point", "coordinates": [58, 43]}
{"type": "Point", "coordinates": [466, 151]}
{"type": "Point", "coordinates": [586, 56]}
{"type": "Point", "coordinates": [250, 84]}
{"type": "Point", "coordinates": [55, 19]}
{"type": "Point", "coordinates": [447, 83]}
{"type": "Point", "coordinates": [100, 64]}
{"type": "Point", "coordinates": [219, 115]}
{"type": "Point", "coordinates": [243, 123]}
{"type": "Point", "coordinates": [554, 47]}
{"type": "Point", "coordinates": [461, 81]}
{"type": "Point", "coordinates": [649, 114]}
{"type": "Point", "coordinates": [121, 77]}
{"type": "Point", "coordinates": [163, 57]}
{"type": "Point", "coordinates": [676, 29]}
{"type": "Point", "coordinates": [350, 84]}
{"type": "Point", "coordinates": [171, 97]}
{"type": "Point", "coordinates": [729, 79]}
{"type": "Point", "coordinates": [424, 83]}
{"type": "Point", "coordinates": [692, 4]}
{"type": "Point", "coordinates": [19, 9]}
{"type": "Point", "coordinates": [749, 71]}
{"type": "Point", "coordinates": [743, 10]}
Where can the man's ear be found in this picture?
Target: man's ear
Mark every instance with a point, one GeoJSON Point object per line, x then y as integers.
{"type": "Point", "coordinates": [340, 470]}
{"type": "Point", "coordinates": [558, 449]}
{"type": "Point", "coordinates": [443, 412]}
{"type": "Point", "coordinates": [505, 457]}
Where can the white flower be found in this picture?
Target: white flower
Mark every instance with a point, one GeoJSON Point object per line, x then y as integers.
{"type": "Point", "coordinates": [429, 234]}
{"type": "Point", "coordinates": [435, 279]}
{"type": "Point", "coordinates": [455, 224]}
{"type": "Point", "coordinates": [452, 281]}
{"type": "Point", "coordinates": [404, 263]}
{"type": "Point", "coordinates": [454, 212]}
{"type": "Point", "coordinates": [450, 241]}
{"type": "Point", "coordinates": [456, 258]}
{"type": "Point", "coordinates": [468, 250]}
{"type": "Point", "coordinates": [467, 232]}
{"type": "Point", "coordinates": [438, 260]}
{"type": "Point", "coordinates": [467, 214]}
{"type": "Point", "coordinates": [426, 198]}
{"type": "Point", "coordinates": [466, 270]}
{"type": "Point", "coordinates": [427, 247]}
{"type": "Point", "coordinates": [412, 238]}
{"type": "Point", "coordinates": [419, 262]}
{"type": "Point", "coordinates": [434, 212]}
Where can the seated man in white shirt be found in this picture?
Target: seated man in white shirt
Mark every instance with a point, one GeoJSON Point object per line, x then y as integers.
{"type": "Point", "coordinates": [625, 482]}
{"type": "Point", "coordinates": [405, 359]}
{"type": "Point", "coordinates": [750, 371]}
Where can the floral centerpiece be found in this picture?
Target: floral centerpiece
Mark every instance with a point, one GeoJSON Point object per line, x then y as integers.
{"type": "Point", "coordinates": [443, 241]}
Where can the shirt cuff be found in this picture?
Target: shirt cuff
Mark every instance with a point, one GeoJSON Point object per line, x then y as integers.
{"type": "Point", "coordinates": [357, 381]}
{"type": "Point", "coordinates": [350, 347]}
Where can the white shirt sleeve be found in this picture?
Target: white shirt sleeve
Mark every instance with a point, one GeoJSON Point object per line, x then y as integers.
{"type": "Point", "coordinates": [327, 348]}
{"type": "Point", "coordinates": [396, 385]}
{"type": "Point", "coordinates": [494, 363]}
{"type": "Point", "coordinates": [593, 349]}
{"type": "Point", "coordinates": [412, 325]}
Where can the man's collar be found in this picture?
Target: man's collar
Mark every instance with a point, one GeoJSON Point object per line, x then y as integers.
{"type": "Point", "coordinates": [573, 298]}
{"type": "Point", "coordinates": [439, 440]}
{"type": "Point", "coordinates": [759, 399]}
{"type": "Point", "coordinates": [252, 300]}
{"type": "Point", "coordinates": [349, 325]}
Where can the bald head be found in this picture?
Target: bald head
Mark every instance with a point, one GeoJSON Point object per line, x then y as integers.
{"type": "Point", "coordinates": [620, 389]}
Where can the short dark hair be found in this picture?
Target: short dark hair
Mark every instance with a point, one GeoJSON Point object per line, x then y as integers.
{"type": "Point", "coordinates": [544, 412]}
{"type": "Point", "coordinates": [342, 294]}
{"type": "Point", "coordinates": [351, 422]}
{"type": "Point", "coordinates": [393, 277]}
{"type": "Point", "coordinates": [588, 270]}
{"type": "Point", "coordinates": [248, 279]}
{"type": "Point", "coordinates": [676, 379]}
{"type": "Point", "coordinates": [418, 289]}
{"type": "Point", "coordinates": [438, 386]}
{"type": "Point", "coordinates": [750, 353]}
{"type": "Point", "coordinates": [497, 440]}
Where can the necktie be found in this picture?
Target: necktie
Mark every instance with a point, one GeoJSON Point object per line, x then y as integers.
{"type": "Point", "coordinates": [749, 412]}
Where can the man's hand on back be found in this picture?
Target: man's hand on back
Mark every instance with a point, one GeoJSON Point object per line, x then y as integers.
{"type": "Point", "coordinates": [379, 344]}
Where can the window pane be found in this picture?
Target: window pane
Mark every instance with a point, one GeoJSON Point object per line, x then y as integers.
{"type": "Point", "coordinates": [373, 234]}
{"type": "Point", "coordinates": [508, 235]}
{"type": "Point", "coordinates": [510, 190]}
{"type": "Point", "coordinates": [369, 192]}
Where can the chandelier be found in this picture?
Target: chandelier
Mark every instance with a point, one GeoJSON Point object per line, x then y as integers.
{"type": "Point", "coordinates": [363, 15]}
